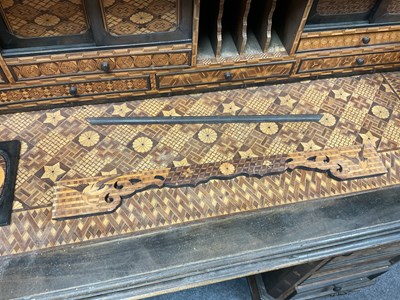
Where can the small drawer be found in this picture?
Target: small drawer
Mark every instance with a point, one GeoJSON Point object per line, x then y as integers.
{"type": "Point", "coordinates": [311, 41]}
{"type": "Point", "coordinates": [359, 61]}
{"type": "Point", "coordinates": [72, 92]}
{"type": "Point", "coordinates": [223, 75]}
{"type": "Point", "coordinates": [45, 67]}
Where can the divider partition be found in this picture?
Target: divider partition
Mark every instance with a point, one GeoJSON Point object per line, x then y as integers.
{"type": "Point", "coordinates": [228, 25]}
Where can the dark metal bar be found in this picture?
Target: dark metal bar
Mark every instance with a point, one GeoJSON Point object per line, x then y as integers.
{"type": "Point", "coordinates": [205, 119]}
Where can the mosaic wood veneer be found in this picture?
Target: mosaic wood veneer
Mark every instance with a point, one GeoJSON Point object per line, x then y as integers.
{"type": "Point", "coordinates": [90, 65]}
{"type": "Point", "coordinates": [348, 61]}
{"type": "Point", "coordinates": [393, 7]}
{"type": "Point", "coordinates": [100, 195]}
{"type": "Point", "coordinates": [58, 145]}
{"type": "Point", "coordinates": [348, 38]}
{"type": "Point", "coordinates": [82, 88]}
{"type": "Point", "coordinates": [131, 17]}
{"type": "Point", "coordinates": [38, 18]}
{"type": "Point", "coordinates": [341, 7]}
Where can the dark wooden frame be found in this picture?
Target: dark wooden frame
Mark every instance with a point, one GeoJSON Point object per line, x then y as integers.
{"type": "Point", "coordinates": [206, 252]}
{"type": "Point", "coordinates": [10, 152]}
{"type": "Point", "coordinates": [382, 15]}
{"type": "Point", "coordinates": [97, 36]}
{"type": "Point", "coordinates": [102, 37]}
{"type": "Point", "coordinates": [377, 15]}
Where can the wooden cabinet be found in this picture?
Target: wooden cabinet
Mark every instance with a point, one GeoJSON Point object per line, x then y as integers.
{"type": "Point", "coordinates": [189, 45]}
{"type": "Point", "coordinates": [84, 24]}
{"type": "Point", "coordinates": [331, 276]}
{"type": "Point", "coordinates": [344, 14]}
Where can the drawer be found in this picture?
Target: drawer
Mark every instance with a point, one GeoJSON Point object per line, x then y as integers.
{"type": "Point", "coordinates": [222, 75]}
{"type": "Point", "coordinates": [312, 41]}
{"type": "Point", "coordinates": [360, 61]}
{"type": "Point", "coordinates": [72, 92]}
{"type": "Point", "coordinates": [47, 67]}
{"type": "Point", "coordinates": [335, 289]}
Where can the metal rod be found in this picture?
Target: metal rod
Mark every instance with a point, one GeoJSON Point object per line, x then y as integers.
{"type": "Point", "coordinates": [205, 119]}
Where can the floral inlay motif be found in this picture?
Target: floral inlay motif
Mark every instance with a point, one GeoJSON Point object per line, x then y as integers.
{"type": "Point", "coordinates": [327, 120]}
{"type": "Point", "coordinates": [89, 138]}
{"type": "Point", "coordinates": [227, 169]}
{"type": "Point", "coordinates": [380, 112]}
{"type": "Point", "coordinates": [269, 128]}
{"type": "Point", "coordinates": [207, 136]}
{"type": "Point", "coordinates": [142, 144]}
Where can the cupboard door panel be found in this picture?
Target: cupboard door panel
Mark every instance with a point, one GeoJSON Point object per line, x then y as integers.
{"type": "Point", "coordinates": [388, 11]}
{"type": "Point", "coordinates": [132, 17]}
{"type": "Point", "coordinates": [30, 19]}
{"type": "Point", "coordinates": [36, 23]}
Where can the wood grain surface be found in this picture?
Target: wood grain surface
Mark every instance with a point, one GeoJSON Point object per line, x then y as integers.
{"type": "Point", "coordinates": [89, 196]}
{"type": "Point", "coordinates": [60, 145]}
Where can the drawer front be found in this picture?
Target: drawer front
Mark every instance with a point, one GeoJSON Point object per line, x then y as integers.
{"type": "Point", "coordinates": [348, 61]}
{"type": "Point", "coordinates": [337, 39]}
{"type": "Point", "coordinates": [73, 91]}
{"type": "Point", "coordinates": [45, 68]}
{"type": "Point", "coordinates": [273, 70]}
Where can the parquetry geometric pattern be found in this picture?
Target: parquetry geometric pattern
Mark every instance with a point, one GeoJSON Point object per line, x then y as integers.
{"type": "Point", "coordinates": [59, 144]}
{"type": "Point", "coordinates": [44, 18]}
{"type": "Point", "coordinates": [344, 7]}
{"type": "Point", "coordinates": [130, 17]}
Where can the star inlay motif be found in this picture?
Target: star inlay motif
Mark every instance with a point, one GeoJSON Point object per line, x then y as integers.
{"type": "Point", "coordinates": [369, 138]}
{"type": "Point", "coordinates": [53, 172]}
{"type": "Point", "coordinates": [287, 101]}
{"type": "Point", "coordinates": [54, 118]}
{"type": "Point", "coordinates": [170, 113]}
{"type": "Point", "coordinates": [230, 108]}
{"type": "Point", "coordinates": [247, 154]}
{"type": "Point", "coordinates": [310, 146]}
{"type": "Point", "coordinates": [181, 163]}
{"type": "Point", "coordinates": [341, 94]}
{"type": "Point", "coordinates": [121, 110]}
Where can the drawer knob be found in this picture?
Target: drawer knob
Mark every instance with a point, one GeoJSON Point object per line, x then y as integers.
{"type": "Point", "coordinates": [105, 66]}
{"type": "Point", "coordinates": [228, 76]}
{"type": "Point", "coordinates": [360, 61]}
{"type": "Point", "coordinates": [73, 91]}
{"type": "Point", "coordinates": [366, 40]}
{"type": "Point", "coordinates": [337, 288]}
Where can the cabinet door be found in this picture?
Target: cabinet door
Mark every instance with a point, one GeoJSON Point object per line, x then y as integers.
{"type": "Point", "coordinates": [341, 11]}
{"type": "Point", "coordinates": [387, 12]}
{"type": "Point", "coordinates": [43, 23]}
{"type": "Point", "coordinates": [140, 22]}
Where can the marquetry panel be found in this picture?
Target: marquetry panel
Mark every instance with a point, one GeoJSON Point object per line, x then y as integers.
{"type": "Point", "coordinates": [90, 65]}
{"type": "Point", "coordinates": [28, 19]}
{"type": "Point", "coordinates": [83, 88]}
{"type": "Point", "coordinates": [59, 144]}
{"type": "Point", "coordinates": [132, 17]}
{"type": "Point", "coordinates": [348, 38]}
{"type": "Point", "coordinates": [225, 75]}
{"type": "Point", "coordinates": [393, 7]}
{"type": "Point", "coordinates": [349, 61]}
{"type": "Point", "coordinates": [343, 7]}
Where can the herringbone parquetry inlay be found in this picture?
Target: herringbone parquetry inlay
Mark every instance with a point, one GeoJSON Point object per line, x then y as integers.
{"type": "Point", "coordinates": [59, 144]}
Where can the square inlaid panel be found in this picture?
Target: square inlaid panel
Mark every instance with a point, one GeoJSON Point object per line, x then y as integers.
{"type": "Point", "coordinates": [344, 7]}
{"type": "Point", "coordinates": [131, 17]}
{"type": "Point", "coordinates": [59, 144]}
{"type": "Point", "coordinates": [44, 18]}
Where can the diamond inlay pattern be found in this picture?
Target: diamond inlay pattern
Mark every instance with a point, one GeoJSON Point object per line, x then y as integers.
{"type": "Point", "coordinates": [44, 18]}
{"type": "Point", "coordinates": [59, 144]}
{"type": "Point", "coordinates": [131, 17]}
